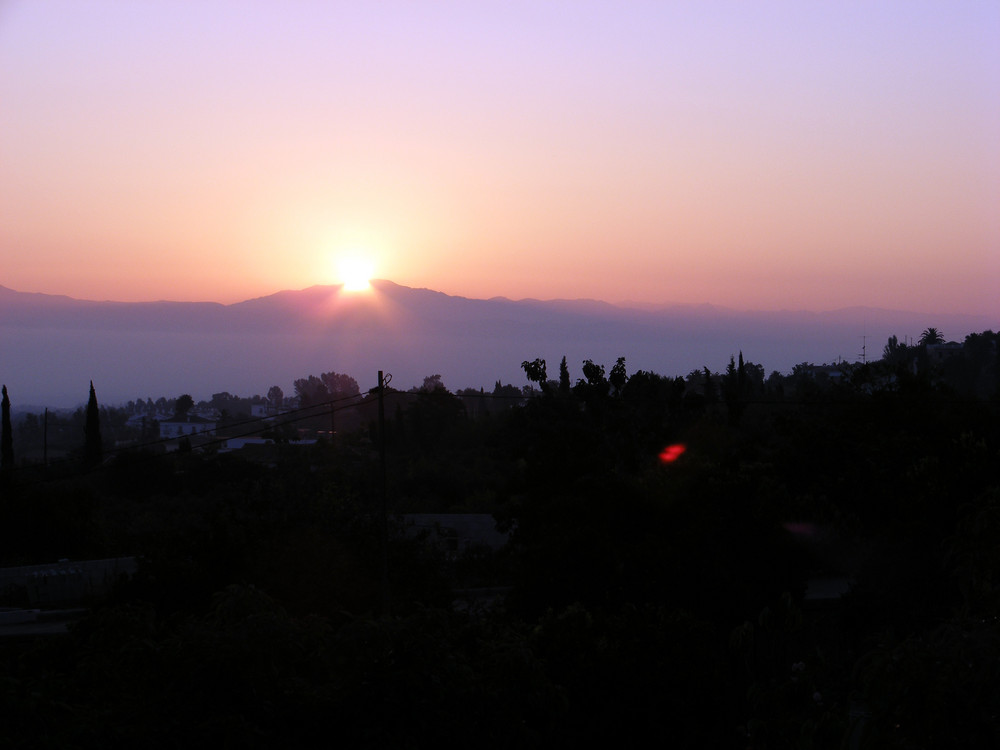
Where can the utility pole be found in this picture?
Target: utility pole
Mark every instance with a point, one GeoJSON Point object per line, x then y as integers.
{"type": "Point", "coordinates": [386, 610]}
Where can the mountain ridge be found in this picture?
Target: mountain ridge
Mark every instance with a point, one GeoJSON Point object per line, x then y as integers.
{"type": "Point", "coordinates": [387, 285]}
{"type": "Point", "coordinates": [50, 344]}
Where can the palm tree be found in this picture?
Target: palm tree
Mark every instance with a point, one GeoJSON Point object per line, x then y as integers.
{"type": "Point", "coordinates": [931, 336]}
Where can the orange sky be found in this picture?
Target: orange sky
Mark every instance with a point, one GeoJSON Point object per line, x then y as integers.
{"type": "Point", "coordinates": [764, 155]}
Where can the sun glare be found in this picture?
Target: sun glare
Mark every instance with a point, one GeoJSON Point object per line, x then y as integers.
{"type": "Point", "coordinates": [356, 274]}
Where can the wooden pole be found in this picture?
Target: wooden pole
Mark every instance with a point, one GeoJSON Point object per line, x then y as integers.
{"type": "Point", "coordinates": [386, 602]}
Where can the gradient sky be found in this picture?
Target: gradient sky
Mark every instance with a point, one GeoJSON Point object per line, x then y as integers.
{"type": "Point", "coordinates": [751, 154]}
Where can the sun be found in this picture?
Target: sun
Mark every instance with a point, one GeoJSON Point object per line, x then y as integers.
{"type": "Point", "coordinates": [356, 273]}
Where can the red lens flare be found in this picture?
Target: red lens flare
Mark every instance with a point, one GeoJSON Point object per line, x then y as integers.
{"type": "Point", "coordinates": [672, 452]}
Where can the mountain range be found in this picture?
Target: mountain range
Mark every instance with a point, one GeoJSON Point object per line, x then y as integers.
{"type": "Point", "coordinates": [51, 346]}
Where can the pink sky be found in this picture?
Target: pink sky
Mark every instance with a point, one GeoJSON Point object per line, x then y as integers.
{"type": "Point", "coordinates": [756, 155]}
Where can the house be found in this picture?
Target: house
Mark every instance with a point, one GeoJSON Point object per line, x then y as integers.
{"type": "Point", "coordinates": [185, 425]}
{"type": "Point", "coordinates": [239, 443]}
{"type": "Point", "coordinates": [456, 532]}
{"type": "Point", "coordinates": [829, 373]}
{"type": "Point", "coordinates": [938, 353]}
{"type": "Point", "coordinates": [65, 582]}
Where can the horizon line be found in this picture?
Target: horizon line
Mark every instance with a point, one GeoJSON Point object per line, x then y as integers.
{"type": "Point", "coordinates": [628, 304]}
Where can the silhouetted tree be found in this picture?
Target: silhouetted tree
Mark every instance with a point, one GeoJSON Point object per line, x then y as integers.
{"type": "Point", "coordinates": [731, 382]}
{"type": "Point", "coordinates": [563, 377]}
{"type": "Point", "coordinates": [709, 386]}
{"type": "Point", "coordinates": [618, 376]}
{"type": "Point", "coordinates": [275, 395]}
{"type": "Point", "coordinates": [432, 383]}
{"type": "Point", "coordinates": [978, 373]}
{"type": "Point", "coordinates": [505, 396]}
{"type": "Point", "coordinates": [92, 448]}
{"type": "Point", "coordinates": [6, 437]}
{"type": "Point", "coordinates": [535, 372]}
{"type": "Point", "coordinates": [311, 391]}
{"type": "Point", "coordinates": [730, 379]}
{"type": "Point", "coordinates": [339, 385]}
{"type": "Point", "coordinates": [183, 405]}
{"type": "Point", "coordinates": [754, 382]}
{"type": "Point", "coordinates": [430, 413]}
{"type": "Point", "coordinates": [775, 384]}
{"type": "Point", "coordinates": [594, 374]}
{"type": "Point", "coordinates": [896, 355]}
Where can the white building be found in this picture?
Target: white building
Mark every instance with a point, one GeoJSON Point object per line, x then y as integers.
{"type": "Point", "coordinates": [187, 425]}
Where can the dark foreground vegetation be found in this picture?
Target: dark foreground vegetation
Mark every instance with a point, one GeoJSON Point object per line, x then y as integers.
{"type": "Point", "coordinates": [668, 597]}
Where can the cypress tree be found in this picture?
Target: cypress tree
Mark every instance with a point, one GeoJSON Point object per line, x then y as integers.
{"type": "Point", "coordinates": [563, 377]}
{"type": "Point", "coordinates": [92, 450]}
{"type": "Point", "coordinates": [6, 436]}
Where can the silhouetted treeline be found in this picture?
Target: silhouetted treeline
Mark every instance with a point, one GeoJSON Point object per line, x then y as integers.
{"type": "Point", "coordinates": [673, 545]}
